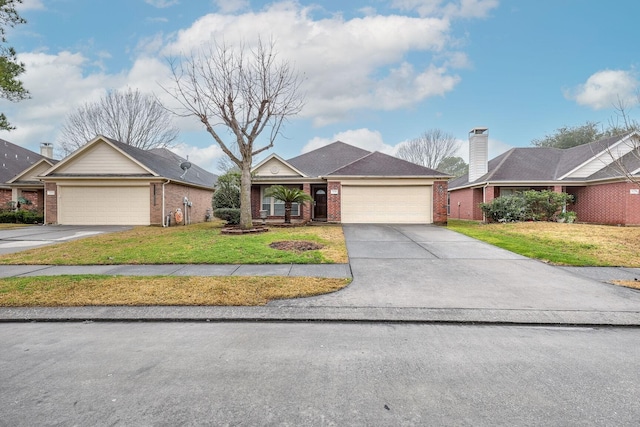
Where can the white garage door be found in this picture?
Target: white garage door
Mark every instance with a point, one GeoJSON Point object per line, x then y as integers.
{"type": "Point", "coordinates": [387, 205]}
{"type": "Point", "coordinates": [103, 205]}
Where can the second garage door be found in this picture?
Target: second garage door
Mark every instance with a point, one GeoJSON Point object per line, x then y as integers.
{"type": "Point", "coordinates": [387, 204]}
{"type": "Point", "coordinates": [84, 205]}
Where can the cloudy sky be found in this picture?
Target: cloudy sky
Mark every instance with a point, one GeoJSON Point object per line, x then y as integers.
{"type": "Point", "coordinates": [377, 73]}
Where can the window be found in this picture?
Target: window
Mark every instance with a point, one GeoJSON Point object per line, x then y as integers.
{"type": "Point", "coordinates": [276, 207]}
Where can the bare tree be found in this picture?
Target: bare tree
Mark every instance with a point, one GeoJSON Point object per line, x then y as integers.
{"type": "Point", "coordinates": [626, 155]}
{"type": "Point", "coordinates": [245, 91]}
{"type": "Point", "coordinates": [127, 116]}
{"type": "Point", "coordinates": [429, 149]}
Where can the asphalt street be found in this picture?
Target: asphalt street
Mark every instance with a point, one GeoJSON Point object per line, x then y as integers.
{"type": "Point", "coordinates": [316, 374]}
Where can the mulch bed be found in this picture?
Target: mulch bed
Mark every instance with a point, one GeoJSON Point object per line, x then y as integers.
{"type": "Point", "coordinates": [296, 246]}
{"type": "Point", "coordinates": [238, 230]}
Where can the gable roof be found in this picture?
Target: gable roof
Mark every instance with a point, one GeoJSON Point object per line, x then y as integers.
{"type": "Point", "coordinates": [15, 159]}
{"type": "Point", "coordinates": [158, 162]}
{"type": "Point", "coordinates": [327, 159]}
{"type": "Point", "coordinates": [380, 164]}
{"type": "Point", "coordinates": [543, 164]}
{"type": "Point", "coordinates": [22, 177]}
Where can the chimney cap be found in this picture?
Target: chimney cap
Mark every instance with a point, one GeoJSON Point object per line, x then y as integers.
{"type": "Point", "coordinates": [478, 130]}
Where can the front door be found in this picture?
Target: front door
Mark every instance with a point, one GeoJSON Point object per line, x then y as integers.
{"type": "Point", "coordinates": [320, 203]}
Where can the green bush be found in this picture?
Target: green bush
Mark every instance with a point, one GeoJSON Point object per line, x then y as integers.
{"type": "Point", "coordinates": [231, 215]}
{"type": "Point", "coordinates": [227, 194]}
{"type": "Point", "coordinates": [505, 209]}
{"type": "Point", "coordinates": [21, 217]}
{"type": "Point", "coordinates": [529, 205]}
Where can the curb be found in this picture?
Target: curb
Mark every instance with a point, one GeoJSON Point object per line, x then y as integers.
{"type": "Point", "coordinates": [323, 314]}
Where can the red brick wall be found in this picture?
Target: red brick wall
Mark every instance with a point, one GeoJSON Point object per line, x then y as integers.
{"type": "Point", "coordinates": [36, 197]}
{"type": "Point", "coordinates": [334, 203]}
{"type": "Point", "coordinates": [464, 204]}
{"type": "Point", "coordinates": [606, 204]}
{"type": "Point", "coordinates": [51, 203]}
{"type": "Point", "coordinates": [256, 203]}
{"type": "Point", "coordinates": [174, 195]}
{"type": "Point", "coordinates": [306, 208]}
{"type": "Point", "coordinates": [440, 202]}
{"type": "Point", "coordinates": [5, 198]}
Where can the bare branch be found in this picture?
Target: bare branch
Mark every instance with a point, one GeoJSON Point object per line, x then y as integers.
{"type": "Point", "coordinates": [429, 149]}
{"type": "Point", "coordinates": [127, 116]}
{"type": "Point", "coordinates": [244, 91]}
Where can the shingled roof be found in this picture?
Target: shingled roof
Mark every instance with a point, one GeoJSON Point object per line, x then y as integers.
{"type": "Point", "coordinates": [160, 162]}
{"type": "Point", "coordinates": [14, 160]}
{"type": "Point", "coordinates": [343, 159]}
{"type": "Point", "coordinates": [327, 159]}
{"type": "Point", "coordinates": [542, 163]}
{"type": "Point", "coordinates": [380, 164]}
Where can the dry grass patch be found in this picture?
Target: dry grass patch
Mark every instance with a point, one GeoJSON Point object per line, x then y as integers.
{"type": "Point", "coordinates": [564, 244]}
{"type": "Point", "coordinates": [74, 291]}
{"type": "Point", "coordinates": [635, 284]}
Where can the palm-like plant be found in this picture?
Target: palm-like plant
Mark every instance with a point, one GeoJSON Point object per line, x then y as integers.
{"type": "Point", "coordinates": [288, 195]}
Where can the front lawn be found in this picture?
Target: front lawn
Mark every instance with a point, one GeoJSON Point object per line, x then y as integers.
{"type": "Point", "coordinates": [73, 291]}
{"type": "Point", "coordinates": [193, 244]}
{"type": "Point", "coordinates": [559, 243]}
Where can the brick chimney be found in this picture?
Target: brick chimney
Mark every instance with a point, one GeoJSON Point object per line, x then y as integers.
{"type": "Point", "coordinates": [478, 153]}
{"type": "Point", "coordinates": [46, 150]}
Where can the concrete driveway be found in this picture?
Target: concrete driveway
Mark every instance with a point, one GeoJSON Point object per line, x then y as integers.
{"type": "Point", "coordinates": [22, 238]}
{"type": "Point", "coordinates": [422, 266]}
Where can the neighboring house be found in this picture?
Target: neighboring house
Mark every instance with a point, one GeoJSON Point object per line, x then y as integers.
{"type": "Point", "coordinates": [18, 170]}
{"type": "Point", "coordinates": [108, 182]}
{"type": "Point", "coordinates": [352, 185]}
{"type": "Point", "coordinates": [589, 172]}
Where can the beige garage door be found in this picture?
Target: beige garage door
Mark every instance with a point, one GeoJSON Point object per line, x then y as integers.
{"type": "Point", "coordinates": [103, 205]}
{"type": "Point", "coordinates": [387, 205]}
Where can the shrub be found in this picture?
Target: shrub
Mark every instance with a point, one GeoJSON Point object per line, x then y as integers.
{"type": "Point", "coordinates": [231, 215]}
{"type": "Point", "coordinates": [227, 194]}
{"type": "Point", "coordinates": [529, 205]}
{"type": "Point", "coordinates": [505, 209]}
{"type": "Point", "coordinates": [21, 217]}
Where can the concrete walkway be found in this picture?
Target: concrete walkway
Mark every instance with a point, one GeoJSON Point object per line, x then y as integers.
{"type": "Point", "coordinates": [409, 273]}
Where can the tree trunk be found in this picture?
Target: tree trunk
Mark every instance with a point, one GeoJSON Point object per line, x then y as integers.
{"type": "Point", "coordinates": [245, 195]}
{"type": "Point", "coordinates": [287, 212]}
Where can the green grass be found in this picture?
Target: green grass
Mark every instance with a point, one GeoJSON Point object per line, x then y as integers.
{"type": "Point", "coordinates": [562, 244]}
{"type": "Point", "coordinates": [194, 244]}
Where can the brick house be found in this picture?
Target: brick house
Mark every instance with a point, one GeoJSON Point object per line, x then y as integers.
{"type": "Point", "coordinates": [107, 182]}
{"type": "Point", "coordinates": [19, 168]}
{"type": "Point", "coordinates": [352, 185]}
{"type": "Point", "coordinates": [592, 173]}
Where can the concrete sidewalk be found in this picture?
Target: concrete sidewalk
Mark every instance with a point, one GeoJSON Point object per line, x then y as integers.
{"type": "Point", "coordinates": [297, 270]}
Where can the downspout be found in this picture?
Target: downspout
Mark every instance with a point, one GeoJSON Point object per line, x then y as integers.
{"type": "Point", "coordinates": [484, 200]}
{"type": "Point", "coordinates": [164, 224]}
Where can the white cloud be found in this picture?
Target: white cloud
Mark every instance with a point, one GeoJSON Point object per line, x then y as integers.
{"type": "Point", "coordinates": [364, 138]}
{"type": "Point", "coordinates": [604, 88]}
{"type": "Point", "coordinates": [206, 158]}
{"type": "Point", "coordinates": [451, 9]}
{"type": "Point", "coordinates": [161, 4]}
{"type": "Point", "coordinates": [30, 5]}
{"type": "Point", "coordinates": [347, 64]}
{"type": "Point", "coordinates": [231, 6]}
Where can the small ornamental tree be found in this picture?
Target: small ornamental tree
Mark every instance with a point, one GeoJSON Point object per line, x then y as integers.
{"type": "Point", "coordinates": [288, 195]}
{"type": "Point", "coordinates": [226, 198]}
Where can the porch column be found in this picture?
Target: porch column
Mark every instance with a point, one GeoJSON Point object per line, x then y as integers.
{"type": "Point", "coordinates": [557, 188]}
{"type": "Point", "coordinates": [306, 207]}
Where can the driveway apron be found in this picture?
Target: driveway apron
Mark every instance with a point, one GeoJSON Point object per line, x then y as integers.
{"type": "Point", "coordinates": [426, 266]}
